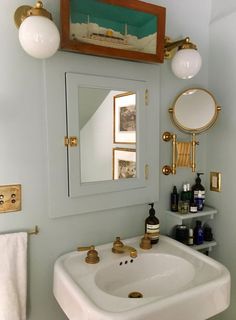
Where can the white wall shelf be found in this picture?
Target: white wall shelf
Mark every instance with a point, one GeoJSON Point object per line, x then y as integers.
{"type": "Point", "coordinates": [175, 218]}
{"type": "Point", "coordinates": [206, 245]}
{"type": "Point", "coordinates": [207, 211]}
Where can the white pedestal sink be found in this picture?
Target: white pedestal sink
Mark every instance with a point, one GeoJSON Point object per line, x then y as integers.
{"type": "Point", "coordinates": [175, 283]}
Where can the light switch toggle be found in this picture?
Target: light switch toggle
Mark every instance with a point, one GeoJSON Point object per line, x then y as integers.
{"type": "Point", "coordinates": [10, 198]}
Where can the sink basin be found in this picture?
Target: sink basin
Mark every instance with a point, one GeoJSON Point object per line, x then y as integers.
{"type": "Point", "coordinates": [169, 281]}
{"type": "Point", "coordinates": [146, 275]}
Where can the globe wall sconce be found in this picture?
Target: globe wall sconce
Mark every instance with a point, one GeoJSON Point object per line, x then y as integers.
{"type": "Point", "coordinates": [186, 62]}
{"type": "Point", "coordinates": [38, 34]}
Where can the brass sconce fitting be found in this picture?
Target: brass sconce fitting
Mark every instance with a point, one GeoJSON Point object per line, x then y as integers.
{"type": "Point", "coordinates": [180, 44]}
{"type": "Point", "coordinates": [183, 153]}
{"type": "Point", "coordinates": [25, 11]}
{"type": "Point", "coordinates": [92, 254]}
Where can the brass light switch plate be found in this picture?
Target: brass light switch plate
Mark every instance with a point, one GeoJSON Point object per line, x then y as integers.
{"type": "Point", "coordinates": [10, 198]}
{"type": "Point", "coordinates": [215, 181]}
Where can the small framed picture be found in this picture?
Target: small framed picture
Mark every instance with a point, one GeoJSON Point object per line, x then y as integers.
{"type": "Point", "coordinates": [125, 118]}
{"type": "Point", "coordinates": [215, 181]}
{"type": "Point", "coordinates": [124, 163]}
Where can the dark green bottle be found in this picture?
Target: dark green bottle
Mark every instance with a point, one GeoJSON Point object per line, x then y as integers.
{"type": "Point", "coordinates": [174, 200]}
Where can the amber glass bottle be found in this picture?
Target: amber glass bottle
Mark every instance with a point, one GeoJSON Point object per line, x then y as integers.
{"type": "Point", "coordinates": [152, 225]}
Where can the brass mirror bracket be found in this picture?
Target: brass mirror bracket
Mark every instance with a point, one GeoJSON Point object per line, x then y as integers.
{"type": "Point", "coordinates": [166, 170]}
{"type": "Point", "coordinates": [180, 157]}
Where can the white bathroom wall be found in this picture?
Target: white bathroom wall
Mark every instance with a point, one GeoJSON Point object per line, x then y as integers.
{"type": "Point", "coordinates": [221, 151]}
{"type": "Point", "coordinates": [222, 8]}
{"type": "Point", "coordinates": [24, 154]}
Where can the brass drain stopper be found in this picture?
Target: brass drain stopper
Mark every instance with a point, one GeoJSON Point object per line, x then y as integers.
{"type": "Point", "coordinates": [135, 294]}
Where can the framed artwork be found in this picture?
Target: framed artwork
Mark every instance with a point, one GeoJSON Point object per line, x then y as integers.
{"type": "Point", "coordinates": [124, 163]}
{"type": "Point", "coordinates": [133, 30]}
{"type": "Point", "coordinates": [125, 118]}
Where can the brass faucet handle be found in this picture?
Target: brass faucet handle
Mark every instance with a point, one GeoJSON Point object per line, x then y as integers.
{"type": "Point", "coordinates": [92, 254]}
{"type": "Point", "coordinates": [146, 242]}
{"type": "Point", "coordinates": [117, 244]}
{"type": "Point", "coordinates": [85, 248]}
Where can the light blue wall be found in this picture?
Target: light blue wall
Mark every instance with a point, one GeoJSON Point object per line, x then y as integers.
{"type": "Point", "coordinates": [24, 153]}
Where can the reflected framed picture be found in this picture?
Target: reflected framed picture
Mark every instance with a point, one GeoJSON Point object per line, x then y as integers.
{"type": "Point", "coordinates": [125, 118]}
{"type": "Point", "coordinates": [133, 30]}
{"type": "Point", "coordinates": [124, 163]}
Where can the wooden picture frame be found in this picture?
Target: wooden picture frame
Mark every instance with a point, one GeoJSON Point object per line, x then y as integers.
{"type": "Point", "coordinates": [132, 30]}
{"type": "Point", "coordinates": [124, 163]}
{"type": "Point", "coordinates": [124, 106]}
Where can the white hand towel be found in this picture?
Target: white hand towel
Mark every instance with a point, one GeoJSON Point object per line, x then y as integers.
{"type": "Point", "coordinates": [13, 276]}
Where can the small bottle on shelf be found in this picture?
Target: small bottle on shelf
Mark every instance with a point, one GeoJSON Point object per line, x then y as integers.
{"type": "Point", "coordinates": [190, 237]}
{"type": "Point", "coordinates": [174, 199]}
{"type": "Point", "coordinates": [199, 193]}
{"type": "Point", "coordinates": [198, 237]}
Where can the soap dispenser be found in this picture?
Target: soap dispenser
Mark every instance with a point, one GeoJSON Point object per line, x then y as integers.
{"type": "Point", "coordinates": [152, 225]}
{"type": "Point", "coordinates": [199, 193]}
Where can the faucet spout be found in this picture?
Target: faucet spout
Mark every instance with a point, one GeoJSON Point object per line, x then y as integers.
{"type": "Point", "coordinates": [119, 247]}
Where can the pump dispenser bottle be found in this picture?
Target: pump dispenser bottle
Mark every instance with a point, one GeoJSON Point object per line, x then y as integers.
{"type": "Point", "coordinates": [152, 225]}
{"type": "Point", "coordinates": [199, 193]}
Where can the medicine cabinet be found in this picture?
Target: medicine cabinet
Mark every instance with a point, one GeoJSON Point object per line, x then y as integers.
{"type": "Point", "coordinates": [102, 135]}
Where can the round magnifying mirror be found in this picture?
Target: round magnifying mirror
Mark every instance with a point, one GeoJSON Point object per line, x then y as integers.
{"type": "Point", "coordinates": [194, 110]}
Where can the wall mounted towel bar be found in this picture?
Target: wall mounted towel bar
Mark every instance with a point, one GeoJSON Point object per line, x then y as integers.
{"type": "Point", "coordinates": [35, 231]}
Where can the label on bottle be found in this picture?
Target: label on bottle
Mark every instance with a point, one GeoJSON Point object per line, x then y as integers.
{"type": "Point", "coordinates": [193, 208]}
{"type": "Point", "coordinates": [202, 192]}
{"type": "Point", "coordinates": [153, 231]}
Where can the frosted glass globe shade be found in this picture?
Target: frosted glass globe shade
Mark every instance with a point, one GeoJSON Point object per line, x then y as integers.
{"type": "Point", "coordinates": [39, 37]}
{"type": "Point", "coordinates": [186, 63]}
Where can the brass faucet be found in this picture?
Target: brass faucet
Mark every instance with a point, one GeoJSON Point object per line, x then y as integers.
{"type": "Point", "coordinates": [119, 247]}
{"type": "Point", "coordinates": [92, 254]}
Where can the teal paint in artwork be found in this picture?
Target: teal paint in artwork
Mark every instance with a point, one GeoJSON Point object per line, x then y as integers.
{"type": "Point", "coordinates": [139, 24]}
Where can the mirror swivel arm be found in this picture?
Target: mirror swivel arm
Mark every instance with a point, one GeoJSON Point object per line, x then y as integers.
{"type": "Point", "coordinates": [183, 153]}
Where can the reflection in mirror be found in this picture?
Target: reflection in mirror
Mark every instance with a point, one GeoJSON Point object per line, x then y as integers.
{"type": "Point", "coordinates": [107, 119]}
{"type": "Point", "coordinates": [194, 110]}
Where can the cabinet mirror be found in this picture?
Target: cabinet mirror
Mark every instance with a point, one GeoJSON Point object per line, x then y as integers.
{"type": "Point", "coordinates": [107, 123]}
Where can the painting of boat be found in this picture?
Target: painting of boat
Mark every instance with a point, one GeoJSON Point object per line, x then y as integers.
{"type": "Point", "coordinates": [135, 28]}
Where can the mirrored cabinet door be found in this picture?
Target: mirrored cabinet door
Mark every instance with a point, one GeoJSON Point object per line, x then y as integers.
{"type": "Point", "coordinates": [107, 117]}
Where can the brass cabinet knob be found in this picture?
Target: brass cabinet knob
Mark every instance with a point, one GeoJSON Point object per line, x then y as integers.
{"type": "Point", "coordinates": [92, 254]}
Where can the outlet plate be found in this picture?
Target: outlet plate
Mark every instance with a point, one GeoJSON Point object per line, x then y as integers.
{"type": "Point", "coordinates": [10, 198]}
